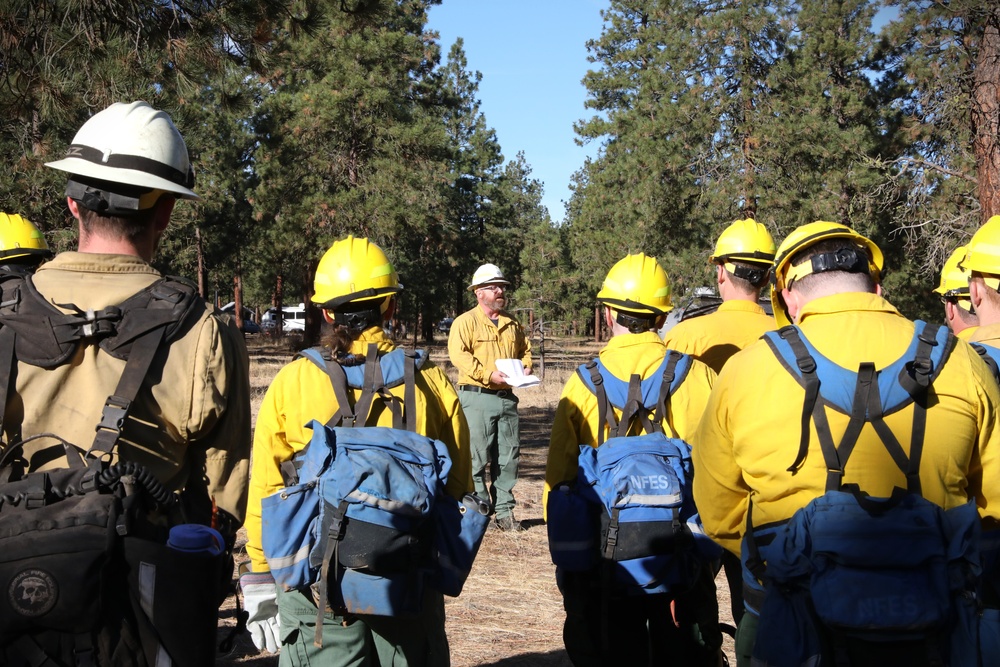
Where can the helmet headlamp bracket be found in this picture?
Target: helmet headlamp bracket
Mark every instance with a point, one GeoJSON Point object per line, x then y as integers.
{"type": "Point", "coordinates": [117, 201]}
{"type": "Point", "coordinates": [756, 275]}
{"type": "Point", "coordinates": [848, 260]}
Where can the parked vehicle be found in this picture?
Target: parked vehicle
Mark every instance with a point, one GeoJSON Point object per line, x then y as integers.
{"type": "Point", "coordinates": [293, 318]}
{"type": "Point", "coordinates": [249, 325]}
{"type": "Point", "coordinates": [444, 326]}
{"type": "Point", "coordinates": [703, 301]}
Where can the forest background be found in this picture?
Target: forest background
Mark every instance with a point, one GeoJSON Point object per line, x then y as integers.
{"type": "Point", "coordinates": [308, 120]}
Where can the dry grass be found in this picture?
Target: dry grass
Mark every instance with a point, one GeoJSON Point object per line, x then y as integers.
{"type": "Point", "coordinates": [510, 612]}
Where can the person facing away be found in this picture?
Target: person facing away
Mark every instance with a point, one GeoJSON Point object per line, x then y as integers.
{"type": "Point", "coordinates": [356, 287]}
{"type": "Point", "coordinates": [743, 258]}
{"type": "Point", "coordinates": [953, 289]}
{"type": "Point", "coordinates": [745, 448]}
{"type": "Point", "coordinates": [189, 421]}
{"type": "Point", "coordinates": [981, 262]}
{"type": "Point", "coordinates": [478, 338]}
{"type": "Point", "coordinates": [644, 629]}
{"type": "Point", "coordinates": [22, 244]}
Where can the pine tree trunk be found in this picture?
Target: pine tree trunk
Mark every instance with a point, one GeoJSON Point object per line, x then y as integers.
{"type": "Point", "coordinates": [986, 116]}
{"type": "Point", "coordinates": [238, 297]}
{"type": "Point", "coordinates": [202, 278]}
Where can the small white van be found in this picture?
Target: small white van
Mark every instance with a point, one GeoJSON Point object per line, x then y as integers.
{"type": "Point", "coordinates": [294, 318]}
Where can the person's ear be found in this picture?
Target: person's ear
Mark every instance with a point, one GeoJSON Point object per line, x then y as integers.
{"type": "Point", "coordinates": [793, 303]}
{"type": "Point", "coordinates": [161, 213]}
{"type": "Point", "coordinates": [74, 208]}
{"type": "Point", "coordinates": [976, 293]}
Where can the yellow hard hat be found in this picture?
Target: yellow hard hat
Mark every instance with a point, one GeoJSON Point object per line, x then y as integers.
{"type": "Point", "coordinates": [637, 284]}
{"type": "Point", "coordinates": [20, 238]}
{"type": "Point", "coordinates": [983, 254]}
{"type": "Point", "coordinates": [745, 241]}
{"type": "Point", "coordinates": [955, 279]}
{"type": "Point", "coordinates": [354, 270]}
{"type": "Point", "coordinates": [808, 235]}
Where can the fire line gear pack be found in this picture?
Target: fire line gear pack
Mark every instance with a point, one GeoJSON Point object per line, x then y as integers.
{"type": "Point", "coordinates": [364, 519]}
{"type": "Point", "coordinates": [888, 579]}
{"type": "Point", "coordinates": [630, 509]}
{"type": "Point", "coordinates": [86, 570]}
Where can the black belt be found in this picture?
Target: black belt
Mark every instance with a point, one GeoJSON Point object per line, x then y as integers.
{"type": "Point", "coordinates": [476, 389]}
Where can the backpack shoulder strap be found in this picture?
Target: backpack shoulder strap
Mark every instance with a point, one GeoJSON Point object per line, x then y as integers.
{"type": "Point", "coordinates": [322, 358]}
{"type": "Point", "coordinates": [670, 380]}
{"type": "Point", "coordinates": [989, 354]}
{"type": "Point", "coordinates": [635, 410]}
{"type": "Point", "coordinates": [918, 368]}
{"type": "Point", "coordinates": [806, 366]}
{"type": "Point", "coordinates": [38, 333]}
{"type": "Point", "coordinates": [594, 379]}
{"type": "Point", "coordinates": [648, 399]}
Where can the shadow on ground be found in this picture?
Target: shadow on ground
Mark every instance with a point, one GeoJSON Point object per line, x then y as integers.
{"type": "Point", "coordinates": [550, 659]}
{"type": "Point", "coordinates": [535, 424]}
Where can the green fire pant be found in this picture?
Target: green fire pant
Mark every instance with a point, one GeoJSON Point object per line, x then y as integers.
{"type": "Point", "coordinates": [363, 641]}
{"type": "Point", "coordinates": [495, 440]}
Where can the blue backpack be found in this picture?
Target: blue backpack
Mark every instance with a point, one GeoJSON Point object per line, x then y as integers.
{"type": "Point", "coordinates": [852, 579]}
{"type": "Point", "coordinates": [630, 509]}
{"type": "Point", "coordinates": [364, 517]}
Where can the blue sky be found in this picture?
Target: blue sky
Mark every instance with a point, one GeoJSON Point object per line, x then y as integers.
{"type": "Point", "coordinates": [532, 56]}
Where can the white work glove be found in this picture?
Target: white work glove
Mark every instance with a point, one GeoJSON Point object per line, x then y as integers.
{"type": "Point", "coordinates": [260, 595]}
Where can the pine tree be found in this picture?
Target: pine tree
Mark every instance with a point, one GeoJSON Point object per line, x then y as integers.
{"type": "Point", "coordinates": [350, 141]}
{"type": "Point", "coordinates": [61, 61]}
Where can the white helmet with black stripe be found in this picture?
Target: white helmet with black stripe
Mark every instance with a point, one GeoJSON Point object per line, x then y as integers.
{"type": "Point", "coordinates": [124, 158]}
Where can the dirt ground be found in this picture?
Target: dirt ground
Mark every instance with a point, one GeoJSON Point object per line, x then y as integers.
{"type": "Point", "coordinates": [510, 612]}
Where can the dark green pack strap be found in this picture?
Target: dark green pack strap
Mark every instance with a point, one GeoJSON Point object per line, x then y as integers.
{"type": "Point", "coordinates": [605, 411]}
{"type": "Point", "coordinates": [48, 337]}
{"type": "Point", "coordinates": [117, 406]}
{"type": "Point", "coordinates": [635, 410]}
{"type": "Point", "coordinates": [6, 377]}
{"type": "Point", "coordinates": [652, 422]}
{"type": "Point", "coordinates": [866, 408]}
{"type": "Point", "coordinates": [661, 413]}
{"type": "Point", "coordinates": [807, 366]}
{"type": "Point", "coordinates": [331, 555]}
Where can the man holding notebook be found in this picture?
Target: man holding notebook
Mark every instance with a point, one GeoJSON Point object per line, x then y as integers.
{"type": "Point", "coordinates": [479, 339]}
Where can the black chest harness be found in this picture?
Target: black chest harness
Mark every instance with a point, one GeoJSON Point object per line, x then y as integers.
{"type": "Point", "coordinates": [36, 332]}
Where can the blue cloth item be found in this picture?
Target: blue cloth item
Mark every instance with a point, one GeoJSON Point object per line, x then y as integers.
{"type": "Point", "coordinates": [381, 491]}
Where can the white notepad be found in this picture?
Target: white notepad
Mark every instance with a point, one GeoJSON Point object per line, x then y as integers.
{"type": "Point", "coordinates": [514, 370]}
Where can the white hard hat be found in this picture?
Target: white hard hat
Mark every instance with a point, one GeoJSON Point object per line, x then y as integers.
{"type": "Point", "coordinates": [487, 274]}
{"type": "Point", "coordinates": [131, 144]}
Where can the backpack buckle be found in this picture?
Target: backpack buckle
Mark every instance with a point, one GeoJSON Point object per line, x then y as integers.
{"type": "Point", "coordinates": [34, 500]}
{"type": "Point", "coordinates": [114, 414]}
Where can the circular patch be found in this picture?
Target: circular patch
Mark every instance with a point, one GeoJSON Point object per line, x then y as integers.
{"type": "Point", "coordinates": [32, 593]}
